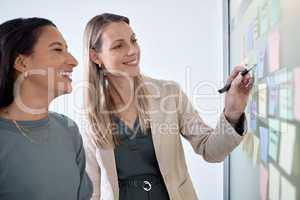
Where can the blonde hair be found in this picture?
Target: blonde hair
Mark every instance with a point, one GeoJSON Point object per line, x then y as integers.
{"type": "Point", "coordinates": [97, 98]}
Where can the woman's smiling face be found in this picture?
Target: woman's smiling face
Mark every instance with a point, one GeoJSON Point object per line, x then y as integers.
{"type": "Point", "coordinates": [50, 65]}
{"type": "Point", "coordinates": [119, 51]}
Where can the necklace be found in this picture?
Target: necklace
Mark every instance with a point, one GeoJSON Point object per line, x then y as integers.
{"type": "Point", "coordinates": [26, 132]}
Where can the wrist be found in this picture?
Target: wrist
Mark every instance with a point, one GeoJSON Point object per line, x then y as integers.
{"type": "Point", "coordinates": [232, 117]}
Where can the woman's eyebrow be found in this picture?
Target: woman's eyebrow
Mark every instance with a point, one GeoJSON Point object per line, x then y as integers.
{"type": "Point", "coordinates": [58, 43]}
{"type": "Point", "coordinates": [118, 40]}
{"type": "Point", "coordinates": [121, 40]}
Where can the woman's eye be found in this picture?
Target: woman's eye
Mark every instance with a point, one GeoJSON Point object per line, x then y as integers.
{"type": "Point", "coordinates": [58, 49]}
{"type": "Point", "coordinates": [118, 46]}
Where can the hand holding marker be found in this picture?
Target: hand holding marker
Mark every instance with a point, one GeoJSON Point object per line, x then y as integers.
{"type": "Point", "coordinates": [228, 85]}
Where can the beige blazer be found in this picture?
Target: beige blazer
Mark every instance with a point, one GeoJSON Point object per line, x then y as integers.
{"type": "Point", "coordinates": [172, 116]}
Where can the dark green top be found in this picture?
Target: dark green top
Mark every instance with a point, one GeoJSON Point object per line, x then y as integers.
{"type": "Point", "coordinates": [50, 165]}
{"type": "Point", "coordinates": [135, 155]}
{"type": "Point", "coordinates": [136, 160]}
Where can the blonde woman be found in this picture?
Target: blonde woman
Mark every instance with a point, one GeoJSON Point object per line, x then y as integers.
{"type": "Point", "coordinates": [134, 148]}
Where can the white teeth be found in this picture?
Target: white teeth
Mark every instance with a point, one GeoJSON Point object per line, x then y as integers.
{"type": "Point", "coordinates": [69, 74]}
{"type": "Point", "coordinates": [131, 63]}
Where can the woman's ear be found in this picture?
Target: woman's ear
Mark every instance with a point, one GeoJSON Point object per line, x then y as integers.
{"type": "Point", "coordinates": [95, 57]}
{"type": "Point", "coordinates": [20, 64]}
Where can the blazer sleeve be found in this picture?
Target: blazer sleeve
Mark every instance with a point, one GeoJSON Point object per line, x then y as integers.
{"type": "Point", "coordinates": [213, 144]}
{"type": "Point", "coordinates": [92, 167]}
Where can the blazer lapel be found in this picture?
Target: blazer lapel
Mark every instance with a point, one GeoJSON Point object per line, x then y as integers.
{"type": "Point", "coordinates": [154, 123]}
{"type": "Point", "coordinates": [109, 164]}
{"type": "Point", "coordinates": [155, 119]}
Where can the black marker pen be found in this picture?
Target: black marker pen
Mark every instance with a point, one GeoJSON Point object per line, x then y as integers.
{"type": "Point", "coordinates": [243, 73]}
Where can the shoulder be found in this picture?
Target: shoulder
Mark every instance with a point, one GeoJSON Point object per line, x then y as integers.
{"type": "Point", "coordinates": [63, 119]}
{"type": "Point", "coordinates": [70, 127]}
{"type": "Point", "coordinates": [161, 86]}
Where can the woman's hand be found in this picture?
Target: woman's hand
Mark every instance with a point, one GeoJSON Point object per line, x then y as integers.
{"type": "Point", "coordinates": [237, 96]}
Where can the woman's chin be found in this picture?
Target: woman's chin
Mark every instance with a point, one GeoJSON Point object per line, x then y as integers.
{"type": "Point", "coordinates": [134, 72]}
{"type": "Point", "coordinates": [129, 73]}
{"type": "Point", "coordinates": [67, 89]}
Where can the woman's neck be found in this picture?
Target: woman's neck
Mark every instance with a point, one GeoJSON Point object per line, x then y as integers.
{"type": "Point", "coordinates": [14, 112]}
{"type": "Point", "coordinates": [27, 105]}
{"type": "Point", "coordinates": [121, 90]}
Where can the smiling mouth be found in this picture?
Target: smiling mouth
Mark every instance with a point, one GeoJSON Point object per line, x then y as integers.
{"type": "Point", "coordinates": [66, 74]}
{"type": "Point", "coordinates": [132, 62]}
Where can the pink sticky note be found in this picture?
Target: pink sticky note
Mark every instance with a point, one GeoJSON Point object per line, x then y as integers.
{"type": "Point", "coordinates": [264, 177]}
{"type": "Point", "coordinates": [274, 51]}
{"type": "Point", "coordinates": [297, 93]}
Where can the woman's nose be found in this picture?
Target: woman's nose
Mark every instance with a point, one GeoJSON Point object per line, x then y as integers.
{"type": "Point", "coordinates": [72, 60]}
{"type": "Point", "coordinates": [133, 50]}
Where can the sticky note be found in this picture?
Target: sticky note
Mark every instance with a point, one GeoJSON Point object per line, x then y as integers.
{"type": "Point", "coordinates": [288, 191]}
{"type": "Point", "coordinates": [248, 144]}
{"type": "Point", "coordinates": [255, 27]}
{"type": "Point", "coordinates": [253, 113]}
{"type": "Point", "coordinates": [255, 150]}
{"type": "Point", "coordinates": [273, 138]}
{"type": "Point", "coordinates": [286, 101]}
{"type": "Point", "coordinates": [252, 33]}
{"type": "Point", "coordinates": [274, 51]}
{"type": "Point", "coordinates": [261, 62]}
{"type": "Point", "coordinates": [250, 39]}
{"type": "Point", "coordinates": [264, 141]}
{"type": "Point", "coordinates": [252, 57]}
{"type": "Point", "coordinates": [262, 100]}
{"type": "Point", "coordinates": [287, 143]}
{"type": "Point", "coordinates": [297, 93]}
{"type": "Point", "coordinates": [264, 19]}
{"type": "Point", "coordinates": [274, 182]}
{"type": "Point", "coordinates": [281, 77]}
{"type": "Point", "coordinates": [264, 176]}
{"type": "Point", "coordinates": [273, 105]}
{"type": "Point", "coordinates": [275, 12]}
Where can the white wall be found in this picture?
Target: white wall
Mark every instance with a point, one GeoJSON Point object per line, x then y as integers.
{"type": "Point", "coordinates": [176, 38]}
